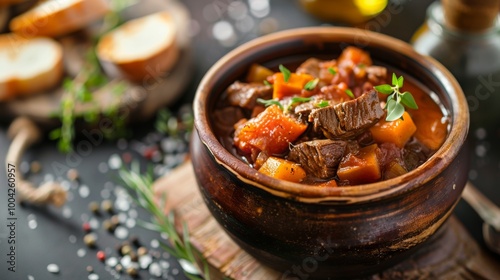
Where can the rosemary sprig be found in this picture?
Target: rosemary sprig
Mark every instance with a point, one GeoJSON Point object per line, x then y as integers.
{"type": "Point", "coordinates": [180, 246]}
{"type": "Point", "coordinates": [396, 100]}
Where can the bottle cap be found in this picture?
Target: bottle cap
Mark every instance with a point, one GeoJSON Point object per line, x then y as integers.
{"type": "Point", "coordinates": [470, 15]}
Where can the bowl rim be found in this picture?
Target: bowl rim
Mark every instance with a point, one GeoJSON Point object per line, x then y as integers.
{"type": "Point", "coordinates": [343, 194]}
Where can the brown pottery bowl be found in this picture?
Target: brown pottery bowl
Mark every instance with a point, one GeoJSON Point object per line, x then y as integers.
{"type": "Point", "coordinates": [307, 231]}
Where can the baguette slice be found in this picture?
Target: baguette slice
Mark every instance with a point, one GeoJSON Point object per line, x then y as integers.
{"type": "Point", "coordinates": [54, 18]}
{"type": "Point", "coordinates": [28, 66]}
{"type": "Point", "coordinates": [141, 49]}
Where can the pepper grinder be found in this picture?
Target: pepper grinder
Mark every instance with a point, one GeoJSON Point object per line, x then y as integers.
{"type": "Point", "coordinates": [464, 35]}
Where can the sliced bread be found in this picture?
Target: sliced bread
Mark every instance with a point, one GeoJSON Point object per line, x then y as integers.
{"type": "Point", "coordinates": [141, 49]}
{"type": "Point", "coordinates": [54, 18]}
{"type": "Point", "coordinates": [28, 65]}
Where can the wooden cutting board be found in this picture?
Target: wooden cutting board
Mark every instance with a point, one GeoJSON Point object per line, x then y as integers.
{"type": "Point", "coordinates": [451, 254]}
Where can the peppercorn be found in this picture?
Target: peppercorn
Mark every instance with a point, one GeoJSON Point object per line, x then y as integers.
{"type": "Point", "coordinates": [90, 240]}
{"type": "Point", "coordinates": [141, 251]}
{"type": "Point", "coordinates": [90, 269]}
{"type": "Point", "coordinates": [119, 268]}
{"type": "Point", "coordinates": [125, 250]}
{"type": "Point", "coordinates": [115, 220]}
{"type": "Point", "coordinates": [101, 256]}
{"type": "Point", "coordinates": [107, 206]}
{"type": "Point", "coordinates": [133, 256]}
{"type": "Point", "coordinates": [86, 227]}
{"type": "Point", "coordinates": [108, 225]}
{"type": "Point", "coordinates": [132, 271]}
{"type": "Point", "coordinates": [94, 207]}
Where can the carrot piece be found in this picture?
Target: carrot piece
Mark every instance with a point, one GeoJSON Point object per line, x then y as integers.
{"type": "Point", "coordinates": [271, 132]}
{"type": "Point", "coordinates": [355, 56]}
{"type": "Point", "coordinates": [360, 168]}
{"type": "Point", "coordinates": [431, 130]}
{"type": "Point", "coordinates": [283, 169]}
{"type": "Point", "coordinates": [258, 73]}
{"type": "Point", "coordinates": [397, 132]}
{"type": "Point", "coordinates": [293, 86]}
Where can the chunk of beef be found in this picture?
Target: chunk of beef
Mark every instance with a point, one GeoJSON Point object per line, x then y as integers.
{"type": "Point", "coordinates": [319, 157]}
{"type": "Point", "coordinates": [311, 66]}
{"type": "Point", "coordinates": [348, 119]}
{"type": "Point", "coordinates": [376, 74]}
{"type": "Point", "coordinates": [245, 94]}
{"type": "Point", "coordinates": [304, 109]}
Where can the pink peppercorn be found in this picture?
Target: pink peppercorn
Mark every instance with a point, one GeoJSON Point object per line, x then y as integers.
{"type": "Point", "coordinates": [101, 256]}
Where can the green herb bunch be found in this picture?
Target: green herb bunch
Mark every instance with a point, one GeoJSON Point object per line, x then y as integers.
{"type": "Point", "coordinates": [80, 89]}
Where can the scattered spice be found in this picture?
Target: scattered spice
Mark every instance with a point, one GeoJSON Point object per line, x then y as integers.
{"type": "Point", "coordinates": [101, 256]}
{"type": "Point", "coordinates": [90, 240]}
{"type": "Point", "coordinates": [107, 206]}
{"type": "Point", "coordinates": [86, 227]}
{"type": "Point", "coordinates": [108, 226]}
{"type": "Point", "coordinates": [90, 269]}
{"type": "Point", "coordinates": [125, 250]}
{"type": "Point", "coordinates": [132, 271]}
{"type": "Point", "coordinates": [142, 251]}
{"type": "Point", "coordinates": [94, 207]}
{"type": "Point", "coordinates": [72, 174]}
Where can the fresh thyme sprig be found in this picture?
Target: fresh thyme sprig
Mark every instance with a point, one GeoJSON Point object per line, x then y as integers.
{"type": "Point", "coordinates": [79, 89]}
{"type": "Point", "coordinates": [396, 100]}
{"type": "Point", "coordinates": [180, 247]}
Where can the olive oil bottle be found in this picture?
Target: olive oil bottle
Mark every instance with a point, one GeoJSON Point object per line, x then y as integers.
{"type": "Point", "coordinates": [464, 35]}
{"type": "Point", "coordinates": [345, 11]}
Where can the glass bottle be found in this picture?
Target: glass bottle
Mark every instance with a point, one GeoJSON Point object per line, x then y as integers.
{"type": "Point", "coordinates": [465, 37]}
{"type": "Point", "coordinates": [345, 11]}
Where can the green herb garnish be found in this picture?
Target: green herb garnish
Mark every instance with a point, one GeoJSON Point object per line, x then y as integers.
{"type": "Point", "coordinates": [270, 102]}
{"type": "Point", "coordinates": [349, 93]}
{"type": "Point", "coordinates": [267, 83]}
{"type": "Point", "coordinates": [298, 99]}
{"type": "Point", "coordinates": [311, 84]}
{"type": "Point", "coordinates": [286, 73]}
{"type": "Point", "coordinates": [332, 71]}
{"type": "Point", "coordinates": [396, 99]}
{"type": "Point", "coordinates": [323, 104]}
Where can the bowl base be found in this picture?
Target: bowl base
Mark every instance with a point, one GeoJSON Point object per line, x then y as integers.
{"type": "Point", "coordinates": [450, 254]}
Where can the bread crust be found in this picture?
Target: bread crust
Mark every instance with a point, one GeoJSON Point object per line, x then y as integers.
{"type": "Point", "coordinates": [49, 20]}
